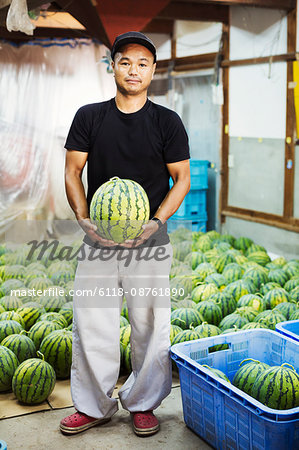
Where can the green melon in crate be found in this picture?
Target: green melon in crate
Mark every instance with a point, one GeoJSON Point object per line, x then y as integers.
{"type": "Point", "coordinates": [247, 373]}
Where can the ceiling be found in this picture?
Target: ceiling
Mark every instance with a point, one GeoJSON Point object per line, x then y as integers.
{"type": "Point", "coordinates": [105, 19]}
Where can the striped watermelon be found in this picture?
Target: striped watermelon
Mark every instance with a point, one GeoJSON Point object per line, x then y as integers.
{"type": "Point", "coordinates": [274, 297]}
{"type": "Point", "coordinates": [280, 261]}
{"type": "Point", "coordinates": [120, 208]}
{"type": "Point", "coordinates": [243, 243]}
{"type": "Point", "coordinates": [203, 270]}
{"type": "Point", "coordinates": [204, 243]}
{"type": "Point", "coordinates": [234, 329]}
{"type": "Point", "coordinates": [218, 279]}
{"type": "Point", "coordinates": [41, 329]}
{"type": "Point", "coordinates": [231, 320]}
{"type": "Point", "coordinates": [227, 238]}
{"type": "Point", "coordinates": [181, 287]}
{"type": "Point", "coordinates": [55, 317]}
{"type": "Point", "coordinates": [277, 387]}
{"type": "Point", "coordinates": [207, 330]}
{"type": "Point", "coordinates": [124, 310]}
{"type": "Point", "coordinates": [253, 325]}
{"type": "Point", "coordinates": [185, 335]}
{"type": "Point", "coordinates": [8, 327]}
{"type": "Point", "coordinates": [291, 268]}
{"type": "Point", "coordinates": [218, 373]}
{"type": "Point", "coordinates": [52, 303]}
{"type": "Point", "coordinates": [8, 365]}
{"type": "Point", "coordinates": [203, 291]}
{"type": "Point", "coordinates": [294, 295]}
{"type": "Point", "coordinates": [30, 315]}
{"type": "Point", "coordinates": [285, 308]}
{"type": "Point", "coordinates": [232, 272]}
{"type": "Point", "coordinates": [123, 322]}
{"type": "Point", "coordinates": [295, 315]}
{"type": "Point", "coordinates": [291, 284]}
{"type": "Point", "coordinates": [180, 270]}
{"type": "Point", "coordinates": [213, 235]}
{"type": "Point", "coordinates": [62, 277]}
{"type": "Point", "coordinates": [211, 255]}
{"type": "Point", "coordinates": [185, 317]}
{"type": "Point", "coordinates": [127, 361]}
{"type": "Point", "coordinates": [278, 276]}
{"type": "Point", "coordinates": [34, 274]}
{"type": "Point", "coordinates": [35, 267]}
{"type": "Point", "coordinates": [2, 309]}
{"type": "Point", "coordinates": [12, 315]}
{"type": "Point", "coordinates": [257, 274]}
{"type": "Point", "coordinates": [238, 288]}
{"type": "Point", "coordinates": [245, 377]}
{"type": "Point", "coordinates": [261, 258]}
{"type": "Point", "coordinates": [125, 334]}
{"type": "Point", "coordinates": [221, 247]}
{"type": "Point", "coordinates": [67, 314]}
{"type": "Point", "coordinates": [14, 271]}
{"type": "Point", "coordinates": [11, 302]}
{"type": "Point", "coordinates": [33, 381]}
{"type": "Point", "coordinates": [174, 330]}
{"type": "Point", "coordinates": [181, 250]}
{"type": "Point", "coordinates": [226, 303]}
{"type": "Point", "coordinates": [22, 346]}
{"type": "Point", "coordinates": [247, 311]}
{"type": "Point", "coordinates": [186, 303]}
{"type": "Point", "coordinates": [270, 318]}
{"type": "Point", "coordinates": [193, 259]}
{"type": "Point", "coordinates": [223, 260]}
{"type": "Point", "coordinates": [255, 301]}
{"type": "Point", "coordinates": [60, 266]}
{"type": "Point", "coordinates": [268, 287]}
{"type": "Point", "coordinates": [255, 248]}
{"type": "Point", "coordinates": [40, 283]}
{"type": "Point", "coordinates": [210, 312]}
{"type": "Point", "coordinates": [57, 350]}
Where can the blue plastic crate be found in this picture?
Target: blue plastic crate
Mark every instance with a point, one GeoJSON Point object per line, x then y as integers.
{"type": "Point", "coordinates": [199, 173]}
{"type": "Point", "coordinates": [192, 223]}
{"type": "Point", "coordinates": [222, 414]}
{"type": "Point", "coordinates": [194, 204]}
{"type": "Point", "coordinates": [289, 328]}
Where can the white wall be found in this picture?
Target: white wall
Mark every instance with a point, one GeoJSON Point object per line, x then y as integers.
{"type": "Point", "coordinates": [197, 38]}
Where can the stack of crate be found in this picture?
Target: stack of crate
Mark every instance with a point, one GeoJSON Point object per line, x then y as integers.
{"type": "Point", "coordinates": [193, 211]}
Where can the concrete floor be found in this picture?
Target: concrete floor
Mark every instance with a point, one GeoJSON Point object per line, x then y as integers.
{"type": "Point", "coordinates": [40, 431]}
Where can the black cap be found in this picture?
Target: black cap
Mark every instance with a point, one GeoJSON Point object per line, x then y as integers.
{"type": "Point", "coordinates": [133, 37]}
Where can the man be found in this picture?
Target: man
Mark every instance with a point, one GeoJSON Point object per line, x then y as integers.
{"type": "Point", "coordinates": [132, 138]}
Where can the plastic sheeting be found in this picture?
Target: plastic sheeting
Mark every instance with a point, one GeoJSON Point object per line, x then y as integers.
{"type": "Point", "coordinates": [41, 88]}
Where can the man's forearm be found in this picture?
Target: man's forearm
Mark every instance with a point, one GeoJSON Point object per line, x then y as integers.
{"type": "Point", "coordinates": [76, 195]}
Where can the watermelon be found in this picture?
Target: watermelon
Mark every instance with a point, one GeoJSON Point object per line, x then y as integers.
{"type": "Point", "coordinates": [232, 272]}
{"type": "Point", "coordinates": [67, 314]}
{"type": "Point", "coordinates": [123, 322]}
{"type": "Point", "coordinates": [231, 320]}
{"type": "Point", "coordinates": [60, 267]}
{"type": "Point", "coordinates": [291, 269]}
{"type": "Point", "coordinates": [203, 270]}
{"type": "Point", "coordinates": [185, 335]}
{"type": "Point", "coordinates": [223, 260]}
{"type": "Point", "coordinates": [278, 276]}
{"type": "Point", "coordinates": [247, 311]}
{"type": "Point", "coordinates": [181, 287]}
{"type": "Point", "coordinates": [203, 292]}
{"type": "Point", "coordinates": [204, 243]}
{"type": "Point", "coordinates": [274, 297]}
{"type": "Point", "coordinates": [179, 270]}
{"type": "Point", "coordinates": [210, 312]}
{"type": "Point", "coordinates": [226, 303]}
{"type": "Point", "coordinates": [2, 309]}
{"type": "Point", "coordinates": [258, 275]}
{"type": "Point", "coordinates": [185, 317]}
{"type": "Point", "coordinates": [12, 315]}
{"type": "Point", "coordinates": [295, 315]}
{"type": "Point", "coordinates": [207, 330]}
{"type": "Point", "coordinates": [291, 284]}
{"type": "Point", "coordinates": [55, 317]}
{"type": "Point", "coordinates": [57, 350]}
{"type": "Point", "coordinates": [52, 303]}
{"type": "Point", "coordinates": [124, 310]}
{"type": "Point", "coordinates": [8, 327]}
{"type": "Point", "coordinates": [218, 279]}
{"type": "Point", "coordinates": [211, 255]}
{"type": "Point", "coordinates": [186, 303]}
{"type": "Point", "coordinates": [119, 208]}
{"type": "Point", "coordinates": [218, 373]}
{"type": "Point", "coordinates": [34, 274]}
{"type": "Point", "coordinates": [8, 365]}
{"type": "Point", "coordinates": [253, 325]}
{"type": "Point", "coordinates": [234, 329]}
{"type": "Point", "coordinates": [213, 235]}
{"type": "Point", "coordinates": [238, 288]}
{"type": "Point", "coordinates": [221, 247]}
{"type": "Point", "coordinates": [294, 295]}
{"type": "Point", "coordinates": [33, 381]}
{"type": "Point", "coordinates": [41, 329]}
{"type": "Point", "coordinates": [260, 257]}
{"type": "Point", "coordinates": [174, 330]}
{"type": "Point", "coordinates": [193, 259]}
{"type": "Point", "coordinates": [243, 243]}
{"type": "Point", "coordinates": [22, 346]}
{"type": "Point", "coordinates": [245, 377]}
{"type": "Point", "coordinates": [277, 387]}
{"type": "Point", "coordinates": [40, 284]}
{"type": "Point", "coordinates": [270, 318]}
{"type": "Point", "coordinates": [11, 302]}
{"type": "Point", "coordinates": [286, 308]}
{"type": "Point", "coordinates": [255, 301]}
{"type": "Point", "coordinates": [30, 315]}
{"type": "Point", "coordinates": [61, 277]}
{"type": "Point", "coordinates": [127, 362]}
{"type": "Point", "coordinates": [227, 238]}
{"type": "Point", "coordinates": [268, 287]}
{"type": "Point", "coordinates": [125, 334]}
{"type": "Point", "coordinates": [181, 250]}
{"type": "Point", "coordinates": [255, 248]}
{"type": "Point", "coordinates": [14, 271]}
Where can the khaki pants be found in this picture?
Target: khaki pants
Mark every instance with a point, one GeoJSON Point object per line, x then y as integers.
{"type": "Point", "coordinates": [98, 294]}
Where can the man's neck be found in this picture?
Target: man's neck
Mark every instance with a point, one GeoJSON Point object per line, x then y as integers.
{"type": "Point", "coordinates": [130, 103]}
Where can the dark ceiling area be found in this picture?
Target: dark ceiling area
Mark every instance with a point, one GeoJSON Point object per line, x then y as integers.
{"type": "Point", "coordinates": [103, 20]}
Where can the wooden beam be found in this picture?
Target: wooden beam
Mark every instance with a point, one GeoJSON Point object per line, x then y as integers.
{"type": "Point", "coordinates": [289, 163]}
{"type": "Point", "coordinates": [290, 224]}
{"type": "Point", "coordinates": [43, 32]}
{"type": "Point", "coordinates": [87, 14]}
{"type": "Point", "coordinates": [274, 4]}
{"type": "Point", "coordinates": [224, 173]}
{"type": "Point", "coordinates": [261, 60]}
{"type": "Point", "coordinates": [187, 63]}
{"type": "Point", "coordinates": [194, 11]}
{"type": "Point", "coordinates": [163, 26]}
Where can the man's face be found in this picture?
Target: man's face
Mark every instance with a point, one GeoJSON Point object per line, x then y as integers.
{"type": "Point", "coordinates": [133, 68]}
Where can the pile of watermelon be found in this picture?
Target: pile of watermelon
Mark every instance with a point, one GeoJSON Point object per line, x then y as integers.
{"type": "Point", "coordinates": [276, 387]}
{"type": "Point", "coordinates": [218, 284]}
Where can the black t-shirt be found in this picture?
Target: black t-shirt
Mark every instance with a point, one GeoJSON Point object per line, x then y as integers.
{"type": "Point", "coordinates": [135, 146]}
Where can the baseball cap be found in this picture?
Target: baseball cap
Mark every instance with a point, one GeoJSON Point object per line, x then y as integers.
{"type": "Point", "coordinates": [133, 37]}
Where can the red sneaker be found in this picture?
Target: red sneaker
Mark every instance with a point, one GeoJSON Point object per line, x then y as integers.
{"type": "Point", "coordinates": [77, 422]}
{"type": "Point", "coordinates": [145, 423]}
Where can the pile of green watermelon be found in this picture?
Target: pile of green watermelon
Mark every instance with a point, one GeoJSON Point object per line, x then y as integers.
{"type": "Point", "coordinates": [218, 284]}
{"type": "Point", "coordinates": [276, 387]}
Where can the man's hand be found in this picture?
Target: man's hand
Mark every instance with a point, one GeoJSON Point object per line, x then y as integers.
{"type": "Point", "coordinates": [91, 230]}
{"type": "Point", "coordinates": [148, 229]}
